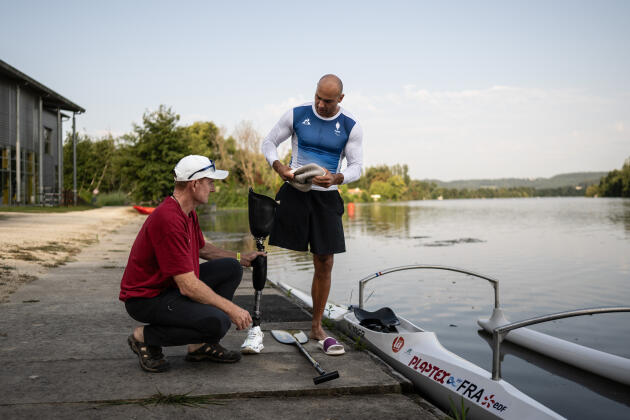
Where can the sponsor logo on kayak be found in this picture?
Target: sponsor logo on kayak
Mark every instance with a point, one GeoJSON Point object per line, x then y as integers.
{"type": "Point", "coordinates": [461, 386]}
{"type": "Point", "coordinates": [398, 344]}
{"type": "Point", "coordinates": [357, 331]}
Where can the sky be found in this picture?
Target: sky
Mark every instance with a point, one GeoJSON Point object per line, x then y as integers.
{"type": "Point", "coordinates": [453, 89]}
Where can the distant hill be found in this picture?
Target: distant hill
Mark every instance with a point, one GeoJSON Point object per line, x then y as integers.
{"type": "Point", "coordinates": [557, 181]}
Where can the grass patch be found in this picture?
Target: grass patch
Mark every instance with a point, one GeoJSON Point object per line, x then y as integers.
{"type": "Point", "coordinates": [44, 209]}
{"type": "Point", "coordinates": [27, 253]}
{"type": "Point", "coordinates": [58, 262]}
{"type": "Point", "coordinates": [24, 256]}
{"type": "Point", "coordinates": [117, 198]}
{"type": "Point", "coordinates": [53, 248]}
{"type": "Point", "coordinates": [359, 344]}
{"type": "Point", "coordinates": [171, 399]}
{"type": "Point", "coordinates": [457, 413]}
{"type": "Point", "coordinates": [328, 323]}
{"type": "Point", "coordinates": [111, 266]}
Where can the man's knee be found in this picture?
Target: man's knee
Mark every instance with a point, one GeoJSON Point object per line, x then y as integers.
{"type": "Point", "coordinates": [235, 270]}
{"type": "Point", "coordinates": [225, 269]}
{"type": "Point", "coordinates": [323, 263]}
{"type": "Point", "coordinates": [215, 326]}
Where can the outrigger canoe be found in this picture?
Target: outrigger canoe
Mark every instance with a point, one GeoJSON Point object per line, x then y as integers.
{"type": "Point", "coordinates": [449, 379]}
{"type": "Point", "coordinates": [444, 377]}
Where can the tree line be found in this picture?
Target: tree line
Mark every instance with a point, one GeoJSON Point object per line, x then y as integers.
{"type": "Point", "coordinates": [615, 184]}
{"type": "Point", "coordinates": [138, 168]}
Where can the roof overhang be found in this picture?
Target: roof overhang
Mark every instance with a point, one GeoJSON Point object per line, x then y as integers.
{"type": "Point", "coordinates": [50, 98]}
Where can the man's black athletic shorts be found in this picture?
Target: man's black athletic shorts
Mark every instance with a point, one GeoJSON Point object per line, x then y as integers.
{"type": "Point", "coordinates": [308, 218]}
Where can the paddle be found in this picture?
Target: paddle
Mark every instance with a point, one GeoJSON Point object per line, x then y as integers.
{"type": "Point", "coordinates": [298, 338]}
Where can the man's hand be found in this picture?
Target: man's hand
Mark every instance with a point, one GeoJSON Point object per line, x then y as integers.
{"type": "Point", "coordinates": [283, 170]}
{"type": "Point", "coordinates": [328, 179]}
{"type": "Point", "coordinates": [246, 259]}
{"type": "Point", "coordinates": [240, 317]}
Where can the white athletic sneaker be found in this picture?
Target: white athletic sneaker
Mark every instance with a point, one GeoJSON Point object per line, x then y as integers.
{"type": "Point", "coordinates": [254, 342]}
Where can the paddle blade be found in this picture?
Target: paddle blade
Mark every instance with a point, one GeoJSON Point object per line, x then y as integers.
{"type": "Point", "coordinates": [283, 336]}
{"type": "Point", "coordinates": [300, 336]}
{"type": "Point", "coordinates": [289, 337]}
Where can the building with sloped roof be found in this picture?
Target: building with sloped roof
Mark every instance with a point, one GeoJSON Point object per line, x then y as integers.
{"type": "Point", "coordinates": [31, 139]}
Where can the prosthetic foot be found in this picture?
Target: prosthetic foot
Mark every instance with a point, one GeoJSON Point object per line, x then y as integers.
{"type": "Point", "coordinates": [261, 213]}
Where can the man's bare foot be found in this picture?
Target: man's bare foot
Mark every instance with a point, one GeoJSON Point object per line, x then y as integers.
{"type": "Point", "coordinates": [317, 334]}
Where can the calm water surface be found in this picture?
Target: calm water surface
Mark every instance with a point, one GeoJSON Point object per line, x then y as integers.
{"type": "Point", "coordinates": [550, 255]}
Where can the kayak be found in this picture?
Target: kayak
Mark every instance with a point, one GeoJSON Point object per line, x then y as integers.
{"type": "Point", "coordinates": [144, 210]}
{"type": "Point", "coordinates": [444, 377]}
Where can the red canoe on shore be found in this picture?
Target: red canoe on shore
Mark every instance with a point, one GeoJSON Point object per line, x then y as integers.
{"type": "Point", "coordinates": [144, 210]}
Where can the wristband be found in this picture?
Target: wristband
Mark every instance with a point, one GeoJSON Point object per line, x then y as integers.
{"type": "Point", "coordinates": [238, 256]}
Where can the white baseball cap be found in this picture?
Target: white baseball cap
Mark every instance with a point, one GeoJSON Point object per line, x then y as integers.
{"type": "Point", "coordinates": [193, 167]}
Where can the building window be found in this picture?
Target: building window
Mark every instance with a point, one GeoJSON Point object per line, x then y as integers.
{"type": "Point", "coordinates": [47, 138]}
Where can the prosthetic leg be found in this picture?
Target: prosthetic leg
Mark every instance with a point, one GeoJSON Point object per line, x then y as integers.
{"type": "Point", "coordinates": [261, 214]}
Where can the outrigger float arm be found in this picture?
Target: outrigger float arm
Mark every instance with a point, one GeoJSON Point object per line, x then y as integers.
{"type": "Point", "coordinates": [494, 282]}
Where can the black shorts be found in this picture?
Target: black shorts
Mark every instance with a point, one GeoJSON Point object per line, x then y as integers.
{"type": "Point", "coordinates": [308, 218]}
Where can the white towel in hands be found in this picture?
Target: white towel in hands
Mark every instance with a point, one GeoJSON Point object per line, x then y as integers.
{"type": "Point", "coordinates": [304, 175]}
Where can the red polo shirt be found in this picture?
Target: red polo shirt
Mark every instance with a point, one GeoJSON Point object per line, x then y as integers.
{"type": "Point", "coordinates": [168, 244]}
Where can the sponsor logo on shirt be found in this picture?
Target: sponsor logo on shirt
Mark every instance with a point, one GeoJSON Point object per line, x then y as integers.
{"type": "Point", "coordinates": [337, 132]}
{"type": "Point", "coordinates": [307, 121]}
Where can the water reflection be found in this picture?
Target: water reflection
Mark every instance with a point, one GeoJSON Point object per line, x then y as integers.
{"type": "Point", "coordinates": [228, 229]}
{"type": "Point", "coordinates": [378, 219]}
{"type": "Point", "coordinates": [623, 215]}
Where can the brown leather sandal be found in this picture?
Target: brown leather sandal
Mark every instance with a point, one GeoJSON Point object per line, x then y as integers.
{"type": "Point", "coordinates": [215, 353]}
{"type": "Point", "coordinates": [151, 357]}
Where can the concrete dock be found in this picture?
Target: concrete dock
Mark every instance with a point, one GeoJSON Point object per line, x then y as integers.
{"type": "Point", "coordinates": [64, 354]}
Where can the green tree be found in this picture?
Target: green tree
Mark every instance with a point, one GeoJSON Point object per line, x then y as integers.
{"type": "Point", "coordinates": [397, 187]}
{"type": "Point", "coordinates": [617, 182]}
{"type": "Point", "coordinates": [158, 144]}
{"type": "Point", "coordinates": [94, 163]}
{"type": "Point", "coordinates": [203, 138]}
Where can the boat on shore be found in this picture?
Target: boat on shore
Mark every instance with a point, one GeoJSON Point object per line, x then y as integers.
{"type": "Point", "coordinates": [450, 380]}
{"type": "Point", "coordinates": [442, 376]}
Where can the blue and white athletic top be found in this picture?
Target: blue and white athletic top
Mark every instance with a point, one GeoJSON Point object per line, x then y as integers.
{"type": "Point", "coordinates": [314, 139]}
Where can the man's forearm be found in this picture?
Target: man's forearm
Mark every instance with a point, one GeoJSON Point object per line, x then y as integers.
{"type": "Point", "coordinates": [190, 286]}
{"type": "Point", "coordinates": [211, 252]}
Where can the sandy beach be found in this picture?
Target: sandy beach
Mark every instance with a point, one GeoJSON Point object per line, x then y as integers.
{"type": "Point", "coordinates": [32, 243]}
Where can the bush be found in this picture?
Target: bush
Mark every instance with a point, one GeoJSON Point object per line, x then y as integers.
{"type": "Point", "coordinates": [116, 198]}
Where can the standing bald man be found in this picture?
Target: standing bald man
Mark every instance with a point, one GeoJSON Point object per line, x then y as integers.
{"type": "Point", "coordinates": [324, 133]}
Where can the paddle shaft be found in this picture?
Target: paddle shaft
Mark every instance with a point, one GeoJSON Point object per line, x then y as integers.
{"type": "Point", "coordinates": [310, 359]}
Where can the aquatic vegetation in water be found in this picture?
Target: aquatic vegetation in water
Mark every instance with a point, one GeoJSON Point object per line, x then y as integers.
{"type": "Point", "coordinates": [451, 242]}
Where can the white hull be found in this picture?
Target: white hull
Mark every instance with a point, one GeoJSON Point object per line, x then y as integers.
{"type": "Point", "coordinates": [443, 376]}
{"type": "Point", "coordinates": [598, 362]}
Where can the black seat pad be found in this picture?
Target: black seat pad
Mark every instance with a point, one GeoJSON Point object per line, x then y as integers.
{"type": "Point", "coordinates": [383, 320]}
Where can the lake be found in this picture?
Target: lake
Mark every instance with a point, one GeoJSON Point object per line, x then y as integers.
{"type": "Point", "coordinates": [549, 254]}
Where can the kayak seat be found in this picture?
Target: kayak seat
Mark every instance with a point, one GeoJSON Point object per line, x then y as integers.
{"type": "Point", "coordinates": [382, 320]}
